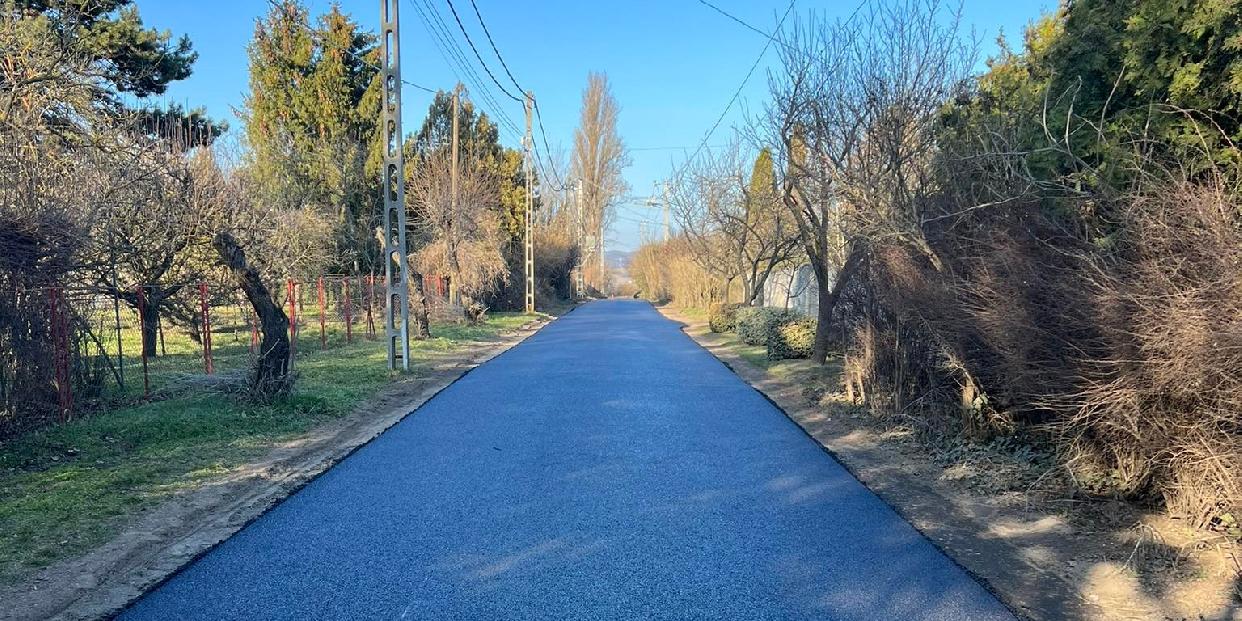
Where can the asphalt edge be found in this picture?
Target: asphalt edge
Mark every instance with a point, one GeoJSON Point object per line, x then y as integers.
{"type": "Point", "coordinates": [112, 610]}
{"type": "Point", "coordinates": [841, 461]}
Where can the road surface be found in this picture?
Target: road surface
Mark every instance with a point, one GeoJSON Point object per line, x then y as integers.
{"type": "Point", "coordinates": [606, 468]}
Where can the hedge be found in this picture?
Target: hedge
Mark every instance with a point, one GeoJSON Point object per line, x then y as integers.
{"type": "Point", "coordinates": [722, 318]}
{"type": "Point", "coordinates": [792, 339]}
{"type": "Point", "coordinates": [755, 326]}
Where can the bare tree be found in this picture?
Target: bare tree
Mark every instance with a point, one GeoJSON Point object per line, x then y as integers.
{"type": "Point", "coordinates": [270, 377]}
{"type": "Point", "coordinates": [852, 116]}
{"type": "Point", "coordinates": [461, 238]}
{"type": "Point", "coordinates": [736, 224]}
{"type": "Point", "coordinates": [599, 156]}
{"type": "Point", "coordinates": [812, 123]}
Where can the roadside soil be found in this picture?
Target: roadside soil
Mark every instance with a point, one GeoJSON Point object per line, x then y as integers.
{"type": "Point", "coordinates": [159, 541]}
{"type": "Point", "coordinates": [1048, 554]}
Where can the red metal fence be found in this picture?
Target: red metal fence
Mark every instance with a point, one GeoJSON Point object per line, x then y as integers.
{"type": "Point", "coordinates": [83, 347]}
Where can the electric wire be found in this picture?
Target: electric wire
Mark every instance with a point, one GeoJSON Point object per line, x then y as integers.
{"type": "Point", "coordinates": [479, 84]}
{"type": "Point", "coordinates": [445, 42]}
{"type": "Point", "coordinates": [554, 180]}
{"type": "Point", "coordinates": [736, 94]}
{"type": "Point", "coordinates": [470, 41]}
{"type": "Point", "coordinates": [737, 19]}
{"type": "Point", "coordinates": [441, 45]}
{"type": "Point", "coordinates": [491, 42]}
{"type": "Point", "coordinates": [418, 86]}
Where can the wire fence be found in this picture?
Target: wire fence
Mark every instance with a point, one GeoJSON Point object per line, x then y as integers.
{"type": "Point", "coordinates": [75, 348]}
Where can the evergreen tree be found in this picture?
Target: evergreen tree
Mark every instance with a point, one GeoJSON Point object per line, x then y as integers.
{"type": "Point", "coordinates": [312, 121]}
{"type": "Point", "coordinates": [131, 57]}
{"type": "Point", "coordinates": [1166, 72]}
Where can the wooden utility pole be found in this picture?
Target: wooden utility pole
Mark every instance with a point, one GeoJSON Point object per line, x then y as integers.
{"type": "Point", "coordinates": [453, 290]}
{"type": "Point", "coordinates": [392, 184]}
{"type": "Point", "coordinates": [527, 143]}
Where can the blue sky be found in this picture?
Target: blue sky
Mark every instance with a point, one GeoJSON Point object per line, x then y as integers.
{"type": "Point", "coordinates": [673, 64]}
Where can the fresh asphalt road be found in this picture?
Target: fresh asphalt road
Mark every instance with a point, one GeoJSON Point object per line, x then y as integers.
{"type": "Point", "coordinates": [606, 468]}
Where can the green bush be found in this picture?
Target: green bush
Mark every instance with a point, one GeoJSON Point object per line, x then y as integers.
{"type": "Point", "coordinates": [742, 316]}
{"type": "Point", "coordinates": [754, 327]}
{"type": "Point", "coordinates": [722, 318]}
{"type": "Point", "coordinates": [793, 339]}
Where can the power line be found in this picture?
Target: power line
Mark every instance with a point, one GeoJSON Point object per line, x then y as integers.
{"type": "Point", "coordinates": [470, 41]}
{"type": "Point", "coordinates": [538, 113]}
{"type": "Point", "coordinates": [479, 84]}
{"type": "Point", "coordinates": [554, 178]}
{"type": "Point", "coordinates": [547, 148]}
{"type": "Point", "coordinates": [681, 148]}
{"type": "Point", "coordinates": [737, 93]}
{"type": "Point", "coordinates": [442, 46]}
{"type": "Point", "coordinates": [559, 186]}
{"type": "Point", "coordinates": [493, 44]}
{"type": "Point", "coordinates": [424, 88]}
{"type": "Point", "coordinates": [453, 55]}
{"type": "Point", "coordinates": [737, 19]}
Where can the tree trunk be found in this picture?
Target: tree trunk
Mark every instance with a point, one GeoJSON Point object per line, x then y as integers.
{"type": "Point", "coordinates": [422, 313]}
{"type": "Point", "coordinates": [828, 297]}
{"type": "Point", "coordinates": [270, 377]}
{"type": "Point", "coordinates": [150, 320]}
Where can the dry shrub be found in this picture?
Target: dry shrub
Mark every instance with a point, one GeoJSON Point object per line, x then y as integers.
{"type": "Point", "coordinates": [891, 364]}
{"type": "Point", "coordinates": [1167, 399]}
{"type": "Point", "coordinates": [556, 255]}
{"type": "Point", "coordinates": [1128, 356]}
{"type": "Point", "coordinates": [669, 271]}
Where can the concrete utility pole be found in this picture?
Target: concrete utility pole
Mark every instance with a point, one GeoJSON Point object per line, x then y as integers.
{"type": "Point", "coordinates": [581, 232]}
{"type": "Point", "coordinates": [453, 291]}
{"type": "Point", "coordinates": [527, 142]}
{"type": "Point", "coordinates": [665, 201]}
{"type": "Point", "coordinates": [392, 182]}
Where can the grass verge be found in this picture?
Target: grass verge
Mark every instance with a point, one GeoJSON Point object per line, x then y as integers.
{"type": "Point", "coordinates": [67, 488]}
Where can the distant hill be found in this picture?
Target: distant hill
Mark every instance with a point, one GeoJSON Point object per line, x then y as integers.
{"type": "Point", "coordinates": [618, 258]}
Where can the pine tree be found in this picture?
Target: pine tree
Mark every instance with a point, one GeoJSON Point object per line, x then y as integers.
{"type": "Point", "coordinates": [311, 121]}
{"type": "Point", "coordinates": [130, 57]}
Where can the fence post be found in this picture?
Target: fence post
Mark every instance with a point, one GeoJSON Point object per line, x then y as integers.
{"type": "Point", "coordinates": [120, 350]}
{"type": "Point", "coordinates": [254, 332]}
{"type": "Point", "coordinates": [60, 351]}
{"type": "Point", "coordinates": [370, 303]}
{"type": "Point", "coordinates": [323, 335]}
{"type": "Point", "coordinates": [146, 378]}
{"type": "Point", "coordinates": [349, 331]}
{"type": "Point", "coordinates": [293, 322]}
{"type": "Point", "coordinates": [208, 364]}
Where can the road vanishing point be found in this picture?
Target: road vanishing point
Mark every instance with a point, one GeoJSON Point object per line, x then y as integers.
{"type": "Point", "coordinates": [605, 468]}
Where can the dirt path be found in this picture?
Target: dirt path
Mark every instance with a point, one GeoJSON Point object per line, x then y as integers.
{"type": "Point", "coordinates": [160, 541]}
{"type": "Point", "coordinates": [1100, 563]}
